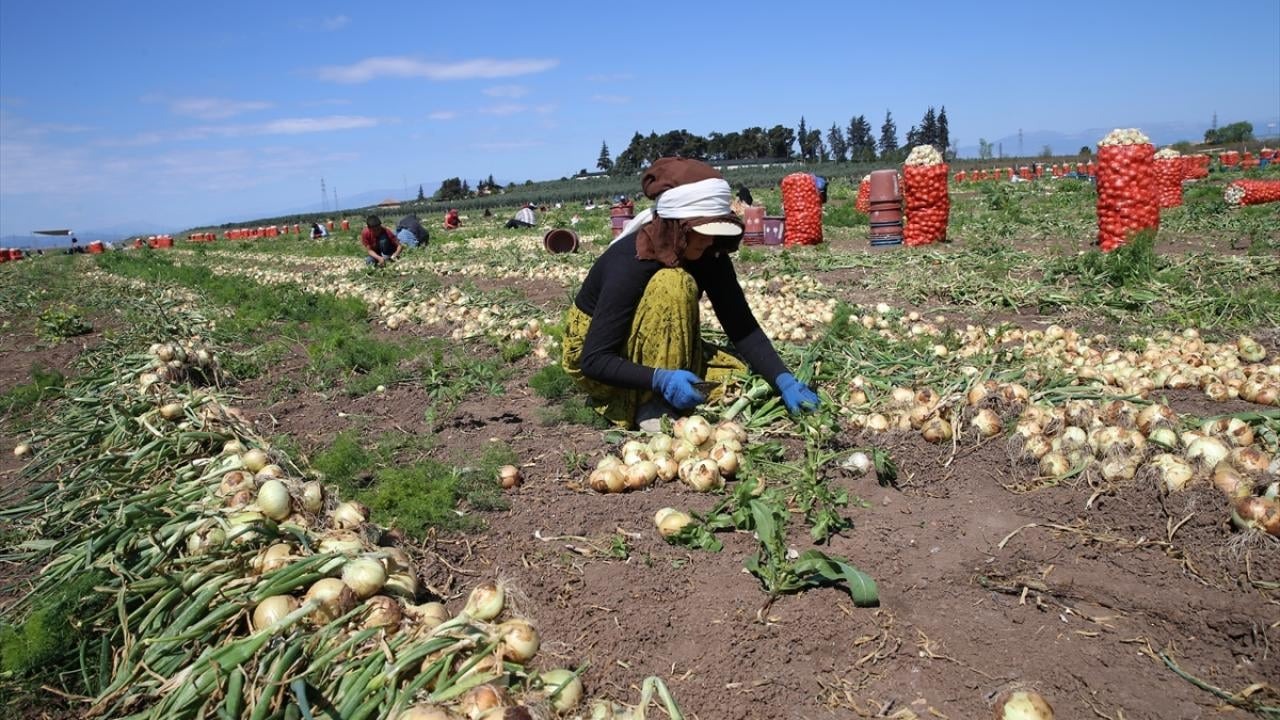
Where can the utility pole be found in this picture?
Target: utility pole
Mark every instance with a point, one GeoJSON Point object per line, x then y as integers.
{"type": "Point", "coordinates": [1215, 119]}
{"type": "Point", "coordinates": [335, 198]}
{"type": "Point", "coordinates": [324, 197]}
{"type": "Point", "coordinates": [1020, 154]}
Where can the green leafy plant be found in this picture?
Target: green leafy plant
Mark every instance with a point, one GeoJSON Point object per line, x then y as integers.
{"type": "Point", "coordinates": [62, 321]}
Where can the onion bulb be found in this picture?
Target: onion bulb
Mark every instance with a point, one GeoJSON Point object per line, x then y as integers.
{"type": "Point", "coordinates": [704, 476]}
{"type": "Point", "coordinates": [641, 475]}
{"type": "Point", "coordinates": [232, 447]}
{"type": "Point", "coordinates": [726, 459]}
{"type": "Point", "coordinates": [1206, 452]}
{"type": "Point", "coordinates": [986, 422]}
{"type": "Point", "coordinates": [668, 468]}
{"type": "Point", "coordinates": [670, 521]}
{"type": "Point", "coordinates": [482, 701]}
{"type": "Point", "coordinates": [729, 429]}
{"type": "Point", "coordinates": [1250, 460]}
{"type": "Point", "coordinates": [21, 450]}
{"type": "Point", "coordinates": [1054, 465]}
{"type": "Point", "coordinates": [342, 542]}
{"type": "Point", "coordinates": [609, 462]}
{"type": "Point", "coordinates": [273, 500]}
{"type": "Point", "coordinates": [254, 460]}
{"type": "Point", "coordinates": [519, 639]}
{"type": "Point", "coordinates": [272, 609]}
{"type": "Point", "coordinates": [427, 615]}
{"type": "Point", "coordinates": [682, 450]}
{"type": "Point", "coordinates": [365, 576]}
{"type": "Point", "coordinates": [1154, 416]}
{"type": "Point", "coordinates": [509, 476]}
{"type": "Point", "coordinates": [403, 585]}
{"type": "Point", "coordinates": [427, 712]}
{"type": "Point", "coordinates": [696, 430]}
{"type": "Point", "coordinates": [349, 515]}
{"type": "Point", "coordinates": [312, 497]}
{"type": "Point", "coordinates": [1174, 472]}
{"type": "Point", "coordinates": [397, 561]}
{"type": "Point", "coordinates": [1230, 482]}
{"type": "Point", "coordinates": [382, 611]}
{"type": "Point", "coordinates": [171, 411]}
{"type": "Point", "coordinates": [1257, 513]}
{"type": "Point", "coordinates": [334, 599]}
{"type": "Point", "coordinates": [660, 444]}
{"type": "Point", "coordinates": [273, 558]}
{"type": "Point", "coordinates": [486, 601]}
{"type": "Point", "coordinates": [235, 481]}
{"type": "Point", "coordinates": [1164, 437]}
{"type": "Point", "coordinates": [1239, 432]}
{"type": "Point", "coordinates": [565, 687]}
{"type": "Point", "coordinates": [1022, 705]}
{"type": "Point", "coordinates": [936, 430]}
{"type": "Point", "coordinates": [859, 462]}
{"type": "Point", "coordinates": [607, 480]}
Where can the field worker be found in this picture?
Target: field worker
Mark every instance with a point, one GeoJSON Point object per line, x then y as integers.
{"type": "Point", "coordinates": [380, 244]}
{"type": "Point", "coordinates": [409, 230]}
{"type": "Point", "coordinates": [631, 339]}
{"type": "Point", "coordinates": [451, 220]}
{"type": "Point", "coordinates": [524, 217]}
{"type": "Point", "coordinates": [318, 231]}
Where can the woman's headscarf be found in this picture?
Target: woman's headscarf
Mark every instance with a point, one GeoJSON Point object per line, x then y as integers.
{"type": "Point", "coordinates": [687, 193]}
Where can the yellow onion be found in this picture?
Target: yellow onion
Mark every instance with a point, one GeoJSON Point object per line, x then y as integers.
{"type": "Point", "coordinates": [877, 422]}
{"type": "Point", "coordinates": [21, 450]}
{"type": "Point", "coordinates": [986, 422]}
{"type": "Point", "coordinates": [365, 576]}
{"type": "Point", "coordinates": [641, 475]}
{"type": "Point", "coordinates": [607, 480]}
{"type": "Point", "coordinates": [1154, 416]}
{"type": "Point", "coordinates": [667, 468]}
{"type": "Point", "coordinates": [273, 558]}
{"type": "Point", "coordinates": [272, 609]}
{"type": "Point", "coordinates": [427, 712]}
{"type": "Point", "coordinates": [269, 472]}
{"type": "Point", "coordinates": [240, 498]}
{"type": "Point", "coordinates": [171, 411]}
{"type": "Point", "coordinates": [1054, 464]}
{"type": "Point", "coordinates": [696, 430]}
{"type": "Point", "coordinates": [403, 585]}
{"type": "Point", "coordinates": [1239, 432]}
{"type": "Point", "coordinates": [397, 561]}
{"type": "Point", "coordinates": [483, 701]}
{"type": "Point", "coordinates": [1174, 472]}
{"type": "Point", "coordinates": [609, 462]}
{"type": "Point", "coordinates": [312, 497]}
{"type": "Point", "coordinates": [670, 521]}
{"type": "Point", "coordinates": [333, 600]}
{"type": "Point", "coordinates": [1165, 437]}
{"type": "Point", "coordinates": [382, 611]}
{"type": "Point", "coordinates": [726, 458]}
{"type": "Point", "coordinates": [519, 639]}
{"type": "Point", "coordinates": [704, 476]}
{"type": "Point", "coordinates": [1230, 482]}
{"type": "Point", "coordinates": [936, 430]}
{"type": "Point", "coordinates": [254, 460]}
{"type": "Point", "coordinates": [1206, 452]}
{"type": "Point", "coordinates": [509, 477]}
{"type": "Point", "coordinates": [1250, 350]}
{"type": "Point", "coordinates": [235, 481]}
{"type": "Point", "coordinates": [1119, 468]}
{"type": "Point", "coordinates": [427, 615]}
{"type": "Point", "coordinates": [729, 429]}
{"type": "Point", "coordinates": [349, 515]}
{"type": "Point", "coordinates": [1250, 460]}
{"type": "Point", "coordinates": [1257, 513]}
{"type": "Point", "coordinates": [634, 451]}
{"type": "Point", "coordinates": [566, 688]}
{"type": "Point", "coordinates": [682, 450]}
{"type": "Point", "coordinates": [486, 601]}
{"type": "Point", "coordinates": [343, 542]}
{"type": "Point", "coordinates": [1022, 705]}
{"type": "Point", "coordinates": [273, 500]}
{"type": "Point", "coordinates": [660, 444]}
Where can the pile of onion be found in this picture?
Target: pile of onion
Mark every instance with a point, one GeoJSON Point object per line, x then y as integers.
{"type": "Point", "coordinates": [700, 454]}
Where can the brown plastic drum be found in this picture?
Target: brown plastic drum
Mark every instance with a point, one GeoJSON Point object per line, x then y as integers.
{"type": "Point", "coordinates": [774, 228]}
{"type": "Point", "coordinates": [618, 222]}
{"type": "Point", "coordinates": [885, 214]}
{"type": "Point", "coordinates": [753, 219]}
{"type": "Point", "coordinates": [560, 240]}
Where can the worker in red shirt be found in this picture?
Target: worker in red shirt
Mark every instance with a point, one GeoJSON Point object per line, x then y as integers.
{"type": "Point", "coordinates": [380, 244]}
{"type": "Point", "coordinates": [451, 220]}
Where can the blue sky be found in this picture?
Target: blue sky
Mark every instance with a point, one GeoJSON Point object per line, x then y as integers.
{"type": "Point", "coordinates": [177, 114]}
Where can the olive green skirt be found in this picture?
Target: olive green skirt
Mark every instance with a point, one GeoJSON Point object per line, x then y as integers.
{"type": "Point", "coordinates": [664, 334]}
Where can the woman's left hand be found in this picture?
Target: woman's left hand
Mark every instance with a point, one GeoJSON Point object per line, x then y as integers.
{"type": "Point", "coordinates": [796, 395]}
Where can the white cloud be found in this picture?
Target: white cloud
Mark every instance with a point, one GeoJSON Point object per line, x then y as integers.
{"type": "Point", "coordinates": [283, 126]}
{"type": "Point", "coordinates": [335, 23]}
{"type": "Point", "coordinates": [507, 91]}
{"type": "Point", "coordinates": [442, 115]}
{"type": "Point", "coordinates": [404, 67]}
{"type": "Point", "coordinates": [215, 108]}
{"type": "Point", "coordinates": [504, 109]}
{"type": "Point", "coordinates": [611, 99]}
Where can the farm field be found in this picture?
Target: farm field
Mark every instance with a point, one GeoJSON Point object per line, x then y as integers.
{"type": "Point", "coordinates": [1031, 448]}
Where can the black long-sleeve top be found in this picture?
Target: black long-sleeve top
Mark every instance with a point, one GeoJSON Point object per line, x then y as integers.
{"type": "Point", "coordinates": [613, 289]}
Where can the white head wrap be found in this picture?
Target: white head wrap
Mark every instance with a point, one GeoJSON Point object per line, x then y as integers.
{"type": "Point", "coordinates": [705, 198]}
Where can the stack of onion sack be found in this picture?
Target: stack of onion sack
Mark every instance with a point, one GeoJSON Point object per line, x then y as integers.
{"type": "Point", "coordinates": [700, 454]}
{"type": "Point", "coordinates": [1126, 187]}
{"type": "Point", "coordinates": [863, 203]}
{"type": "Point", "coordinates": [1195, 167]}
{"type": "Point", "coordinates": [1252, 192]}
{"type": "Point", "coordinates": [1169, 173]}
{"type": "Point", "coordinates": [924, 190]}
{"type": "Point", "coordinates": [802, 207]}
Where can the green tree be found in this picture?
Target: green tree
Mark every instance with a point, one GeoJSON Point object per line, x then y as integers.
{"type": "Point", "coordinates": [1046, 152]}
{"type": "Point", "coordinates": [780, 141]}
{"type": "Point", "coordinates": [817, 149]}
{"type": "Point", "coordinates": [944, 130]}
{"type": "Point", "coordinates": [839, 147]}
{"type": "Point", "coordinates": [421, 197]}
{"type": "Point", "coordinates": [802, 135]}
{"type": "Point", "coordinates": [1086, 151]}
{"type": "Point", "coordinates": [1236, 132]}
{"type": "Point", "coordinates": [985, 150]}
{"type": "Point", "coordinates": [862, 144]}
{"type": "Point", "coordinates": [450, 189]}
{"type": "Point", "coordinates": [929, 129]}
{"type": "Point", "coordinates": [604, 163]}
{"type": "Point", "coordinates": [888, 136]}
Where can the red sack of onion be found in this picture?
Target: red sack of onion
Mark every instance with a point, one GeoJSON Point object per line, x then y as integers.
{"type": "Point", "coordinates": [1169, 173]}
{"type": "Point", "coordinates": [924, 192]}
{"type": "Point", "coordinates": [1252, 192]}
{"type": "Point", "coordinates": [802, 208]}
{"type": "Point", "coordinates": [1126, 182]}
{"type": "Point", "coordinates": [863, 203]}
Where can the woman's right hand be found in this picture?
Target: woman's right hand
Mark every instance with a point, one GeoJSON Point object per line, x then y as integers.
{"type": "Point", "coordinates": [677, 388]}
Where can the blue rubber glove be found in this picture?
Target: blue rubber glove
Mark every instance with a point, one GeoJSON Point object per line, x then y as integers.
{"type": "Point", "coordinates": [796, 395]}
{"type": "Point", "coordinates": [677, 388]}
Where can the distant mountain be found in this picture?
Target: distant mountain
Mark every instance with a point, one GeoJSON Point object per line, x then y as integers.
{"type": "Point", "coordinates": [111, 233]}
{"type": "Point", "coordinates": [1069, 143]}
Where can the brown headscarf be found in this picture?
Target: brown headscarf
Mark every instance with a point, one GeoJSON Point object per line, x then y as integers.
{"type": "Point", "coordinates": [663, 239]}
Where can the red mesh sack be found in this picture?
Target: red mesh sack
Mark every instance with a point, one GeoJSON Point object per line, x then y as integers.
{"type": "Point", "coordinates": [802, 208]}
{"type": "Point", "coordinates": [1126, 188]}
{"type": "Point", "coordinates": [863, 203]}
{"type": "Point", "coordinates": [1252, 192]}
{"type": "Point", "coordinates": [1169, 169]}
{"type": "Point", "coordinates": [924, 193]}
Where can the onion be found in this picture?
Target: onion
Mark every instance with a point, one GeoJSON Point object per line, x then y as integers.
{"type": "Point", "coordinates": [171, 411]}
{"type": "Point", "coordinates": [273, 558]}
{"type": "Point", "coordinates": [312, 497]}
{"type": "Point", "coordinates": [1230, 482]}
{"type": "Point", "coordinates": [273, 500]}
{"type": "Point", "coordinates": [660, 444]}
{"type": "Point", "coordinates": [607, 480]}
{"type": "Point", "coordinates": [634, 449]}
{"type": "Point", "coordinates": [428, 615]}
{"type": "Point", "coordinates": [1257, 513]}
{"type": "Point", "coordinates": [936, 430]}
{"type": "Point", "coordinates": [272, 609]}
{"type": "Point", "coordinates": [1239, 432]}
{"type": "Point", "coordinates": [509, 476]}
{"type": "Point", "coordinates": [1015, 393]}
{"type": "Point", "coordinates": [682, 450]}
{"type": "Point", "coordinates": [1022, 705]}
{"type": "Point", "coordinates": [641, 475]}
{"type": "Point", "coordinates": [1206, 452]}
{"type": "Point", "coordinates": [1173, 471]}
{"type": "Point", "coordinates": [350, 514]}
{"type": "Point", "coordinates": [402, 585]}
{"type": "Point", "coordinates": [1250, 350]}
{"type": "Point", "coordinates": [235, 481]}
{"type": "Point", "coordinates": [1036, 447]}
{"type": "Point", "coordinates": [397, 561]}
{"type": "Point", "coordinates": [877, 422]}
{"type": "Point", "coordinates": [520, 640]}
{"type": "Point", "coordinates": [240, 498]}
{"type": "Point", "coordinates": [609, 462]}
{"type": "Point", "coordinates": [859, 462]}
{"type": "Point", "coordinates": [21, 450]}
{"type": "Point", "coordinates": [1250, 460]}
{"type": "Point", "coordinates": [566, 687]}
{"type": "Point", "coordinates": [1164, 436]}
{"type": "Point", "coordinates": [986, 422]}
{"type": "Point", "coordinates": [726, 459]}
{"type": "Point", "coordinates": [902, 397]}
{"type": "Point", "coordinates": [481, 702]}
{"type": "Point", "coordinates": [486, 601]}
{"type": "Point", "coordinates": [254, 460]}
{"type": "Point", "coordinates": [667, 468]}
{"type": "Point", "coordinates": [269, 472]}
{"type": "Point", "coordinates": [427, 712]}
{"type": "Point", "coordinates": [1074, 438]}
{"type": "Point", "coordinates": [382, 612]}
{"type": "Point", "coordinates": [365, 576]}
{"type": "Point", "coordinates": [670, 521]}
{"type": "Point", "coordinates": [1054, 464]}
{"type": "Point", "coordinates": [1154, 416]}
{"type": "Point", "coordinates": [342, 542]}
{"type": "Point", "coordinates": [730, 429]}
{"type": "Point", "coordinates": [704, 476]}
{"type": "Point", "coordinates": [334, 599]}
{"type": "Point", "coordinates": [1119, 468]}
